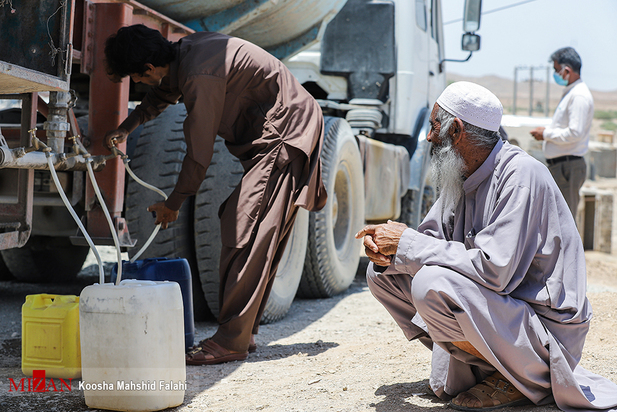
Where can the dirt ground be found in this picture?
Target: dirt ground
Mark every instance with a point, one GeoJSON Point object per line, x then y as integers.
{"type": "Point", "coordinates": [338, 354]}
{"type": "Point", "coordinates": [347, 354]}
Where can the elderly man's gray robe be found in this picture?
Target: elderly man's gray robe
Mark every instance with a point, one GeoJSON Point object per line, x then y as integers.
{"type": "Point", "coordinates": [506, 272]}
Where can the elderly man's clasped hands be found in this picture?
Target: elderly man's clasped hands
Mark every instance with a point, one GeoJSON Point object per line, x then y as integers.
{"type": "Point", "coordinates": [381, 241]}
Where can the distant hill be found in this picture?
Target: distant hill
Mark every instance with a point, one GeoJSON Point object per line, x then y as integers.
{"type": "Point", "coordinates": [504, 89]}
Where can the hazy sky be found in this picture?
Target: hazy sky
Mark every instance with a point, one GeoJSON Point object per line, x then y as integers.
{"type": "Point", "coordinates": [528, 33]}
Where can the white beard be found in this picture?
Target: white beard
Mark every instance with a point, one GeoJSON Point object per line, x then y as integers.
{"type": "Point", "coordinates": [447, 169]}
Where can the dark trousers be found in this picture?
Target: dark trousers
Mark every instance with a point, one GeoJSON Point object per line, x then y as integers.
{"type": "Point", "coordinates": [570, 176]}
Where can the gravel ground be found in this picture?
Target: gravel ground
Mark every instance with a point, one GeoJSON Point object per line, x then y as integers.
{"type": "Point", "coordinates": [338, 354]}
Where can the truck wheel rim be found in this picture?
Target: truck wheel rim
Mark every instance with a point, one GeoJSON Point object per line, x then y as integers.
{"type": "Point", "coordinates": [341, 208]}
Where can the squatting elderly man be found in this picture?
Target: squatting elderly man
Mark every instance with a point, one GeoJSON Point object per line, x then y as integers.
{"type": "Point", "coordinates": [494, 279]}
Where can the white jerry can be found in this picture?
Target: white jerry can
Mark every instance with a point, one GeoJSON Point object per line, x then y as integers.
{"type": "Point", "coordinates": [132, 345]}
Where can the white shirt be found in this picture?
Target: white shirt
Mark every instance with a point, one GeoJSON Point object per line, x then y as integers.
{"type": "Point", "coordinates": [568, 133]}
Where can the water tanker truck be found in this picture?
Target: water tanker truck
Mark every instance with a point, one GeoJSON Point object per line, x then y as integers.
{"type": "Point", "coordinates": [374, 66]}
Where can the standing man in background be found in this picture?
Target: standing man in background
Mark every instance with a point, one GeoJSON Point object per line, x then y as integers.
{"type": "Point", "coordinates": [566, 140]}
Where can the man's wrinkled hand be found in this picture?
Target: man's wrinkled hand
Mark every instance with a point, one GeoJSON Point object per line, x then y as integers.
{"type": "Point", "coordinates": [381, 241]}
{"type": "Point", "coordinates": [164, 215]}
{"type": "Point", "coordinates": [115, 137]}
{"type": "Point", "coordinates": [377, 258]}
{"type": "Point", "coordinates": [372, 251]}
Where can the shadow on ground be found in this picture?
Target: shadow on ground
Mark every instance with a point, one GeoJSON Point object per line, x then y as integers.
{"type": "Point", "coordinates": [396, 396]}
{"type": "Point", "coordinates": [302, 313]}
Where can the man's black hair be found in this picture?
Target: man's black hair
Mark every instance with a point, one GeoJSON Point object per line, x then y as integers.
{"type": "Point", "coordinates": [132, 47]}
{"type": "Point", "coordinates": [569, 57]}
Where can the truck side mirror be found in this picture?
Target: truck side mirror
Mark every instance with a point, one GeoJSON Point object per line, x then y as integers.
{"type": "Point", "coordinates": [471, 19]}
{"type": "Point", "coordinates": [471, 23]}
{"type": "Point", "coordinates": [470, 42]}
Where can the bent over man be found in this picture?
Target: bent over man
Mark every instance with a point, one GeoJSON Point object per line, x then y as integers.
{"type": "Point", "coordinates": [494, 279]}
{"type": "Point", "coordinates": [269, 122]}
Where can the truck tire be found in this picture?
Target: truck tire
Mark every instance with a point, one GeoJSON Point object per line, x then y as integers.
{"type": "Point", "coordinates": [415, 206]}
{"type": "Point", "coordinates": [289, 271]}
{"type": "Point", "coordinates": [333, 253]}
{"type": "Point", "coordinates": [5, 273]}
{"type": "Point", "coordinates": [45, 259]}
{"type": "Point", "coordinates": [416, 202]}
{"type": "Point", "coordinates": [224, 174]}
{"type": "Point", "coordinates": [157, 160]}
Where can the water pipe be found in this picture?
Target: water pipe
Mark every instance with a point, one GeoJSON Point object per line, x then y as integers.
{"type": "Point", "coordinates": [78, 149]}
{"type": "Point", "coordinates": [126, 161]}
{"type": "Point", "coordinates": [54, 176]}
{"type": "Point", "coordinates": [107, 216]}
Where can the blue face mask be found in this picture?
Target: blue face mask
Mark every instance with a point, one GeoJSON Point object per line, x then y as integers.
{"type": "Point", "coordinates": [560, 80]}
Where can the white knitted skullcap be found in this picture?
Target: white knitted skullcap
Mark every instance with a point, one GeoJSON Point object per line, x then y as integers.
{"type": "Point", "coordinates": [472, 103]}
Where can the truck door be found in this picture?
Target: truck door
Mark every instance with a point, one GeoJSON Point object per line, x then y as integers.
{"type": "Point", "coordinates": [437, 75]}
{"type": "Point", "coordinates": [422, 52]}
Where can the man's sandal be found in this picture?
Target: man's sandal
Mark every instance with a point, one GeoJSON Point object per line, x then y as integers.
{"type": "Point", "coordinates": [217, 354]}
{"type": "Point", "coordinates": [493, 393]}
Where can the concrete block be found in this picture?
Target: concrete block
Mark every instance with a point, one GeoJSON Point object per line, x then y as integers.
{"type": "Point", "coordinates": [605, 136]}
{"type": "Point", "coordinates": [595, 219]}
{"type": "Point", "coordinates": [603, 158]}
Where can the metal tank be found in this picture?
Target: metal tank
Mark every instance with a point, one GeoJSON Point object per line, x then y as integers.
{"type": "Point", "coordinates": [282, 27]}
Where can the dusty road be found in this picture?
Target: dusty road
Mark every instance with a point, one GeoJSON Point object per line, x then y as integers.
{"type": "Point", "coordinates": [339, 354]}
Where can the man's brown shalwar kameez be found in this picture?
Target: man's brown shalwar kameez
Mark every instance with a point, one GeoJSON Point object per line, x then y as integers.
{"type": "Point", "coordinates": [235, 89]}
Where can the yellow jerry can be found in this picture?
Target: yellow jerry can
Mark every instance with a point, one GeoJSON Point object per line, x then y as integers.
{"type": "Point", "coordinates": [50, 336]}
